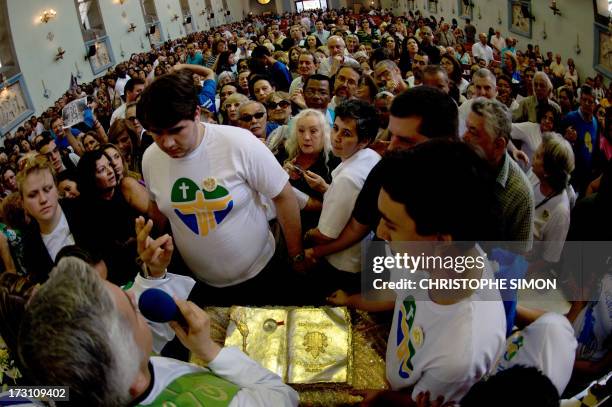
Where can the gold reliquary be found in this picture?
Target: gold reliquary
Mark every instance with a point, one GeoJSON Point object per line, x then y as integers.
{"type": "Point", "coordinates": [301, 345]}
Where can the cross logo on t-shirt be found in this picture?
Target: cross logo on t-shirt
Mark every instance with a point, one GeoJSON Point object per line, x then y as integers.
{"type": "Point", "coordinates": [200, 209]}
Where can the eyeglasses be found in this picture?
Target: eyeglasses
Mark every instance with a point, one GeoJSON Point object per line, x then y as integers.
{"type": "Point", "coordinates": [249, 117]}
{"type": "Point", "coordinates": [283, 104]}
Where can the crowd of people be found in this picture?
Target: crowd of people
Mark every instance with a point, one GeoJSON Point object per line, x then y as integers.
{"type": "Point", "coordinates": [266, 152]}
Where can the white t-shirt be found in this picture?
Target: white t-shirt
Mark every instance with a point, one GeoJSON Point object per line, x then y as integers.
{"type": "Point", "coordinates": [211, 198]}
{"type": "Point", "coordinates": [458, 345]}
{"type": "Point", "coordinates": [120, 84]}
{"type": "Point", "coordinates": [593, 326]}
{"type": "Point", "coordinates": [258, 386]}
{"type": "Point", "coordinates": [59, 238]}
{"type": "Point", "coordinates": [326, 65]}
{"type": "Point", "coordinates": [531, 136]}
{"type": "Point", "coordinates": [548, 344]}
{"type": "Point", "coordinates": [338, 203]}
{"type": "Point", "coordinates": [119, 113]}
{"type": "Point", "coordinates": [550, 222]}
{"type": "Point", "coordinates": [498, 42]}
{"type": "Point", "coordinates": [483, 52]}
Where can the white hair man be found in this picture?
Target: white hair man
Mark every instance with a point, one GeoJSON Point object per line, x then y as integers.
{"type": "Point", "coordinates": [388, 75]}
{"type": "Point", "coordinates": [330, 65]}
{"type": "Point", "coordinates": [99, 345]}
{"type": "Point", "coordinates": [528, 107]}
{"type": "Point", "coordinates": [445, 37]}
{"type": "Point", "coordinates": [488, 130]}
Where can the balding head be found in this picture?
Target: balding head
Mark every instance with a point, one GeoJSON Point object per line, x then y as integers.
{"type": "Point", "coordinates": [336, 46]}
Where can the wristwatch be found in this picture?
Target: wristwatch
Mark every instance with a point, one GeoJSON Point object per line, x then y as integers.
{"type": "Point", "coordinates": [298, 258]}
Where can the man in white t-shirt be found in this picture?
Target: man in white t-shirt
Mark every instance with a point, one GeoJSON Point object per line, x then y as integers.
{"type": "Point", "coordinates": [307, 65]}
{"type": "Point", "coordinates": [441, 341]}
{"type": "Point", "coordinates": [498, 42]}
{"type": "Point", "coordinates": [593, 330]}
{"type": "Point", "coordinates": [336, 59]}
{"type": "Point", "coordinates": [133, 88]}
{"type": "Point", "coordinates": [208, 180]}
{"type": "Point", "coordinates": [482, 50]}
{"type": "Point", "coordinates": [122, 78]}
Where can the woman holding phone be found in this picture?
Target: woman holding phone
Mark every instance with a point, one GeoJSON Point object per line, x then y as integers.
{"type": "Point", "coordinates": [307, 148]}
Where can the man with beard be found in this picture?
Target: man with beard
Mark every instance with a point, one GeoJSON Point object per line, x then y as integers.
{"type": "Point", "coordinates": [388, 75]}
{"type": "Point", "coordinates": [421, 60]}
{"type": "Point", "coordinates": [345, 85]}
{"type": "Point", "coordinates": [122, 78]}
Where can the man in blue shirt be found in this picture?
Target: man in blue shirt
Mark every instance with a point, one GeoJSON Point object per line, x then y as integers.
{"type": "Point", "coordinates": [262, 63]}
{"type": "Point", "coordinates": [581, 131]}
{"type": "Point", "coordinates": [206, 93]}
{"type": "Point", "coordinates": [194, 57]}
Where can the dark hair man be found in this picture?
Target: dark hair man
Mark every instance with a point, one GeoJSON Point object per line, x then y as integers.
{"type": "Point", "coordinates": [133, 88]}
{"type": "Point", "coordinates": [346, 82]}
{"type": "Point", "coordinates": [262, 62]}
{"type": "Point", "coordinates": [317, 94]}
{"type": "Point", "coordinates": [203, 178]}
{"type": "Point", "coordinates": [581, 131]}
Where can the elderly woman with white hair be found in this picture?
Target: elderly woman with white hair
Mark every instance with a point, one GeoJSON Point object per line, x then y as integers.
{"type": "Point", "coordinates": [307, 160]}
{"type": "Point", "coordinates": [553, 197]}
{"type": "Point", "coordinates": [528, 107]}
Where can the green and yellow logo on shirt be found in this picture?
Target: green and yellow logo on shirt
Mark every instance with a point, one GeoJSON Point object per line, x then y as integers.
{"type": "Point", "coordinates": [201, 209]}
{"type": "Point", "coordinates": [405, 348]}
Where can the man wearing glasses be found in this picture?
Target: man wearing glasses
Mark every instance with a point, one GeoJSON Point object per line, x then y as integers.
{"type": "Point", "coordinates": [254, 118]}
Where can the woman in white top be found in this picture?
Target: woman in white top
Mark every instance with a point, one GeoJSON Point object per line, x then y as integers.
{"type": "Point", "coordinates": [552, 165]}
{"type": "Point", "coordinates": [530, 134]}
{"type": "Point", "coordinates": [355, 127]}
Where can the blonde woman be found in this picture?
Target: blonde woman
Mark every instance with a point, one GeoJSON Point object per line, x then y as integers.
{"type": "Point", "coordinates": [307, 150]}
{"type": "Point", "coordinates": [230, 111]}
